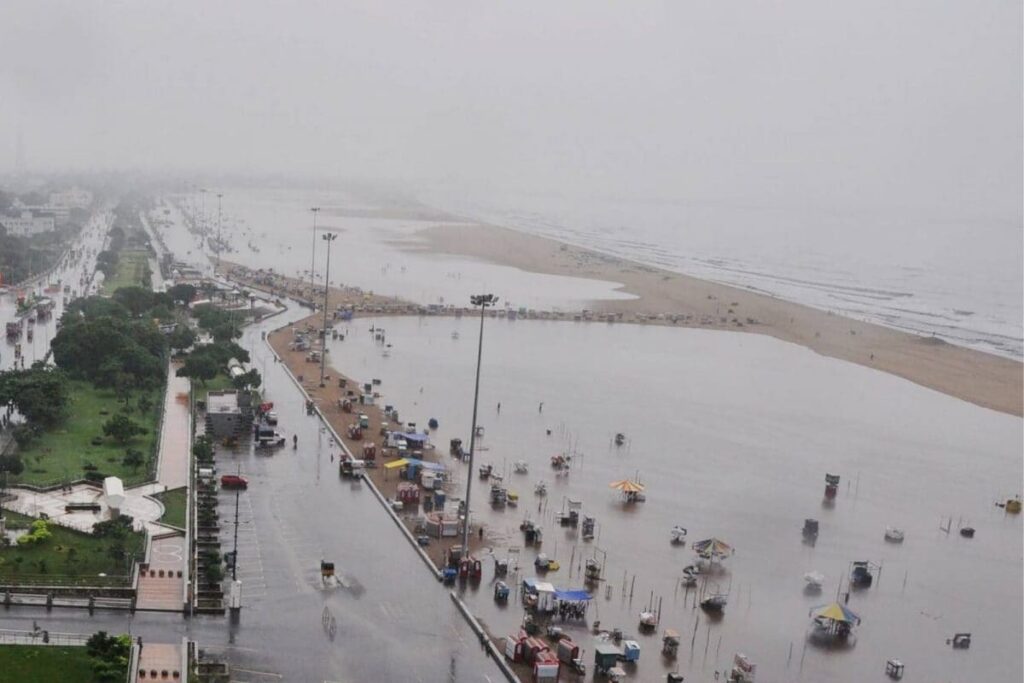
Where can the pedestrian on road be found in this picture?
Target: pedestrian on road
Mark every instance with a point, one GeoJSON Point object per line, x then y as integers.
{"type": "Point", "coordinates": [540, 408]}
{"type": "Point", "coordinates": [499, 407]}
{"type": "Point", "coordinates": [295, 441]}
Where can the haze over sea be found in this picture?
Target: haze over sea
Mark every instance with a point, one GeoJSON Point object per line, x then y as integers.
{"type": "Point", "coordinates": [956, 278]}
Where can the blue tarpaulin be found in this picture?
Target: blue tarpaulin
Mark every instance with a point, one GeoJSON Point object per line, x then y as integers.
{"type": "Point", "coordinates": [573, 596]}
{"type": "Point", "coordinates": [413, 436]}
{"type": "Point", "coordinates": [437, 467]}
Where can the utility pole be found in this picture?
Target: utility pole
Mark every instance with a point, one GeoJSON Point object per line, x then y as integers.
{"type": "Point", "coordinates": [483, 301]}
{"type": "Point", "coordinates": [312, 265]}
{"type": "Point", "coordinates": [328, 237]}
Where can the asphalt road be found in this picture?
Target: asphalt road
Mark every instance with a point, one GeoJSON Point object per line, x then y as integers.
{"type": "Point", "coordinates": [393, 621]}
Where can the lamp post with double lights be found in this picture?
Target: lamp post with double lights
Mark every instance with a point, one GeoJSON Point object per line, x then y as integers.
{"type": "Point", "coordinates": [484, 301]}
{"type": "Point", "coordinates": [312, 265]}
{"type": "Point", "coordinates": [328, 237]}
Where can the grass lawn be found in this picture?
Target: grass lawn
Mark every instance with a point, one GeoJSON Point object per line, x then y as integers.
{"type": "Point", "coordinates": [219, 383]}
{"type": "Point", "coordinates": [90, 558]}
{"type": "Point", "coordinates": [45, 663]}
{"type": "Point", "coordinates": [131, 271]}
{"type": "Point", "coordinates": [61, 454]}
{"type": "Point", "coordinates": [174, 506]}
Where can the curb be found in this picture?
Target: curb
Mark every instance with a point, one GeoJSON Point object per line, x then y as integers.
{"type": "Point", "coordinates": [373, 487]}
{"type": "Point", "coordinates": [485, 640]}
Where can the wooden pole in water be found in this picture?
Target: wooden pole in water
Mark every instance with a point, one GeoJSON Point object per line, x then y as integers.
{"type": "Point", "coordinates": [632, 585]}
{"type": "Point", "coordinates": [790, 657]}
{"type": "Point", "coordinates": [696, 625]}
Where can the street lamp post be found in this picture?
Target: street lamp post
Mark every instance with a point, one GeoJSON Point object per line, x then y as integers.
{"type": "Point", "coordinates": [328, 237]}
{"type": "Point", "coordinates": [219, 195]}
{"type": "Point", "coordinates": [483, 301]}
{"type": "Point", "coordinates": [312, 265]}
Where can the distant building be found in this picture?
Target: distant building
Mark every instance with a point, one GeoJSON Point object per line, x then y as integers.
{"type": "Point", "coordinates": [27, 224]}
{"type": "Point", "coordinates": [75, 198]}
{"type": "Point", "coordinates": [61, 214]}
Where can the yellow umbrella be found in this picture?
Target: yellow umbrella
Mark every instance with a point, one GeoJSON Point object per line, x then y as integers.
{"type": "Point", "coordinates": [837, 612]}
{"type": "Point", "coordinates": [627, 486]}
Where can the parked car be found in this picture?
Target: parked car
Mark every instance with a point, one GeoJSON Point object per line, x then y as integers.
{"type": "Point", "coordinates": [234, 481]}
{"type": "Point", "coordinates": [271, 418]}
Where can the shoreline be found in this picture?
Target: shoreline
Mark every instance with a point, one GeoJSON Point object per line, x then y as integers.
{"type": "Point", "coordinates": [977, 377]}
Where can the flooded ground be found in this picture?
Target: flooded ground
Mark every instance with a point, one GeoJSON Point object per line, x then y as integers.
{"type": "Point", "coordinates": [273, 229]}
{"type": "Point", "coordinates": [76, 273]}
{"type": "Point", "coordinates": [733, 435]}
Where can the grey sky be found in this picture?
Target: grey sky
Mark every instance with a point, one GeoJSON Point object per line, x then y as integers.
{"type": "Point", "coordinates": [868, 103]}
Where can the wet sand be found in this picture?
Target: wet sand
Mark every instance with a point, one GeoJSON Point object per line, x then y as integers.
{"type": "Point", "coordinates": [980, 378]}
{"type": "Point", "coordinates": [327, 399]}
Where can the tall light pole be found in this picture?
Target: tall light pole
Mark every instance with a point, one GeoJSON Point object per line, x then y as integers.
{"type": "Point", "coordinates": [312, 265]}
{"type": "Point", "coordinates": [328, 237]}
{"type": "Point", "coordinates": [202, 194]}
{"type": "Point", "coordinates": [219, 195]}
{"type": "Point", "coordinates": [483, 301]}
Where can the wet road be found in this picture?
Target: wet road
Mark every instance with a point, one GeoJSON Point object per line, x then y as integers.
{"type": "Point", "coordinates": [74, 272]}
{"type": "Point", "coordinates": [393, 621]}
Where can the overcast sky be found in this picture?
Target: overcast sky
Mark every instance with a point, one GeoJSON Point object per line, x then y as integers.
{"type": "Point", "coordinates": [868, 103]}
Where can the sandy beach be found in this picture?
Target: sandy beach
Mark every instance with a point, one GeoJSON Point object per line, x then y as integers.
{"type": "Point", "coordinates": [980, 378]}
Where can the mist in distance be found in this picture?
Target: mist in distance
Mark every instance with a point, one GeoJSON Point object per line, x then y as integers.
{"type": "Point", "coordinates": [912, 107]}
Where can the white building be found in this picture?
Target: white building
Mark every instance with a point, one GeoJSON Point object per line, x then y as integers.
{"type": "Point", "coordinates": [75, 198]}
{"type": "Point", "coordinates": [27, 224]}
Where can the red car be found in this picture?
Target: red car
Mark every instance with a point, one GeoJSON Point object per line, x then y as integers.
{"type": "Point", "coordinates": [234, 481]}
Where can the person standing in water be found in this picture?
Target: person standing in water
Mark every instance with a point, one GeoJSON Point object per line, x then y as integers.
{"type": "Point", "coordinates": [499, 407]}
{"type": "Point", "coordinates": [540, 408]}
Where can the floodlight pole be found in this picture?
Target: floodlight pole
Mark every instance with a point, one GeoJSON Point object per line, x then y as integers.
{"type": "Point", "coordinates": [483, 301]}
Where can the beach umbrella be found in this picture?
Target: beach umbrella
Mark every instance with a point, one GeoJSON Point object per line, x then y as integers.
{"type": "Point", "coordinates": [627, 486]}
{"type": "Point", "coordinates": [837, 613]}
{"type": "Point", "coordinates": [713, 548]}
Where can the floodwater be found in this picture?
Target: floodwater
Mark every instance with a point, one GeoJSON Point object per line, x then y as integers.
{"type": "Point", "coordinates": [273, 229]}
{"type": "Point", "coordinates": [74, 274]}
{"type": "Point", "coordinates": [733, 434]}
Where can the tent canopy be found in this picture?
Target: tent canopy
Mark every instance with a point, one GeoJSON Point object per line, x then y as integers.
{"type": "Point", "coordinates": [837, 612]}
{"type": "Point", "coordinates": [401, 462]}
{"type": "Point", "coordinates": [627, 486]}
{"type": "Point", "coordinates": [715, 547]}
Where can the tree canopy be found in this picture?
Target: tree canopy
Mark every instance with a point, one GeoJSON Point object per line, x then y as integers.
{"type": "Point", "coordinates": [39, 393]}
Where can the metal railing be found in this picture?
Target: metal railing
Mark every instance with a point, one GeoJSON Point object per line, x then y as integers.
{"type": "Point", "coordinates": [41, 637]}
{"type": "Point", "coordinates": [59, 581]}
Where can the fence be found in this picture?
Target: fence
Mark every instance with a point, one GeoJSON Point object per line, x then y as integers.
{"type": "Point", "coordinates": [41, 637]}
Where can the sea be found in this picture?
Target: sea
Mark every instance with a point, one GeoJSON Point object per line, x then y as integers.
{"type": "Point", "coordinates": [961, 280]}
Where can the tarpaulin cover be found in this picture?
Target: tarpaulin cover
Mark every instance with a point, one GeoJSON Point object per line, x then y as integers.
{"type": "Point", "coordinates": [412, 436]}
{"type": "Point", "coordinates": [436, 466]}
{"type": "Point", "coordinates": [573, 595]}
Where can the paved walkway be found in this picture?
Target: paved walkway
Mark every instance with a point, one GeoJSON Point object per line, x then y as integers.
{"type": "Point", "coordinates": [161, 586]}
{"type": "Point", "coordinates": [142, 509]}
{"type": "Point", "coordinates": [174, 434]}
{"type": "Point", "coordinates": [158, 659]}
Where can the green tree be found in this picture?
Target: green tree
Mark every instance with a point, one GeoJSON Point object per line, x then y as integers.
{"type": "Point", "coordinates": [122, 428]}
{"type": "Point", "coordinates": [39, 393]}
{"type": "Point", "coordinates": [133, 458]}
{"type": "Point", "coordinates": [247, 380]}
{"type": "Point", "coordinates": [136, 299]}
{"type": "Point", "coordinates": [202, 367]}
{"type": "Point", "coordinates": [182, 337]}
{"type": "Point", "coordinates": [182, 293]}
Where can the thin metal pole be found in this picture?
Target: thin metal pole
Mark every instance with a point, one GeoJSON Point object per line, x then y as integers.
{"type": "Point", "coordinates": [234, 553]}
{"type": "Point", "coordinates": [312, 266]}
{"type": "Point", "coordinates": [219, 195]}
{"type": "Point", "coordinates": [472, 433]}
{"type": "Point", "coordinates": [329, 237]}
